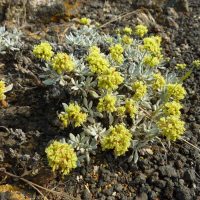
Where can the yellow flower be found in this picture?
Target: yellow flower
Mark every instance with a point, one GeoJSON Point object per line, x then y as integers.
{"type": "Point", "coordinates": [140, 90]}
{"type": "Point", "coordinates": [110, 79]}
{"type": "Point", "coordinates": [141, 30]}
{"type": "Point", "coordinates": [13, 192]}
{"type": "Point", "coordinates": [181, 66]}
{"type": "Point", "coordinates": [107, 103]}
{"type": "Point", "coordinates": [151, 61]}
{"type": "Point", "coordinates": [152, 45]}
{"type": "Point", "coordinates": [43, 51]}
{"type": "Point", "coordinates": [118, 138]}
{"type": "Point", "coordinates": [61, 156]}
{"type": "Point", "coordinates": [158, 82]}
{"type": "Point", "coordinates": [131, 108]}
{"type": "Point", "coordinates": [85, 21]}
{"type": "Point", "coordinates": [127, 40]}
{"type": "Point", "coordinates": [116, 52]}
{"type": "Point", "coordinates": [171, 127]}
{"type": "Point", "coordinates": [2, 90]}
{"type": "Point", "coordinates": [72, 114]}
{"type": "Point", "coordinates": [97, 61]}
{"type": "Point", "coordinates": [121, 111]}
{"type": "Point", "coordinates": [176, 91]}
{"type": "Point", "coordinates": [196, 63]}
{"type": "Point", "coordinates": [127, 30]}
{"type": "Point", "coordinates": [172, 108]}
{"type": "Point", "coordinates": [62, 63]}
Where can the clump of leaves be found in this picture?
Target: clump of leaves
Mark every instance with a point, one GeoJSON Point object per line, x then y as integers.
{"type": "Point", "coordinates": [9, 40]}
{"type": "Point", "coordinates": [121, 96]}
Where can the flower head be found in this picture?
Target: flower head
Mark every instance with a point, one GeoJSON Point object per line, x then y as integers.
{"type": "Point", "coordinates": [121, 110]}
{"type": "Point", "coordinates": [158, 81]}
{"type": "Point", "coordinates": [171, 127]}
{"type": "Point", "coordinates": [72, 114]}
{"type": "Point", "coordinates": [127, 40]}
{"type": "Point", "coordinates": [131, 108]}
{"type": "Point", "coordinates": [62, 63]}
{"type": "Point", "coordinates": [176, 91]}
{"type": "Point", "coordinates": [152, 45]}
{"type": "Point", "coordinates": [85, 21]}
{"type": "Point", "coordinates": [151, 61]}
{"type": "Point", "coordinates": [116, 52]}
{"type": "Point", "coordinates": [118, 138]}
{"type": "Point", "coordinates": [107, 103]}
{"type": "Point", "coordinates": [2, 90]}
{"type": "Point", "coordinates": [127, 30]}
{"type": "Point", "coordinates": [141, 30]}
{"type": "Point", "coordinates": [43, 51]}
{"type": "Point", "coordinates": [110, 79]}
{"type": "Point", "coordinates": [61, 156]}
{"type": "Point", "coordinates": [181, 66]}
{"type": "Point", "coordinates": [140, 90]}
{"type": "Point", "coordinates": [196, 63]}
{"type": "Point", "coordinates": [172, 108]}
{"type": "Point", "coordinates": [97, 61]}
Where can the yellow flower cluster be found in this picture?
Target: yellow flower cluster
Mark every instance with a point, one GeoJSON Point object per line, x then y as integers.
{"type": "Point", "coordinates": [43, 51]}
{"type": "Point", "coordinates": [171, 127]}
{"type": "Point", "coordinates": [158, 82]}
{"type": "Point", "coordinates": [2, 90]}
{"type": "Point", "coordinates": [176, 91]}
{"type": "Point", "coordinates": [107, 103]}
{"type": "Point", "coordinates": [121, 111]}
{"type": "Point", "coordinates": [140, 90]}
{"type": "Point", "coordinates": [62, 63]}
{"type": "Point", "coordinates": [151, 61]}
{"type": "Point", "coordinates": [181, 66]}
{"type": "Point", "coordinates": [97, 61]}
{"type": "Point", "coordinates": [196, 63]}
{"type": "Point", "coordinates": [152, 45]}
{"type": "Point", "coordinates": [14, 192]}
{"type": "Point", "coordinates": [85, 21]}
{"type": "Point", "coordinates": [131, 107]}
{"type": "Point", "coordinates": [118, 138]}
{"type": "Point", "coordinates": [72, 114]}
{"type": "Point", "coordinates": [110, 79]}
{"type": "Point", "coordinates": [172, 108]}
{"type": "Point", "coordinates": [127, 40]}
{"type": "Point", "coordinates": [116, 52]}
{"type": "Point", "coordinates": [61, 156]}
{"type": "Point", "coordinates": [127, 30]}
{"type": "Point", "coordinates": [141, 30]}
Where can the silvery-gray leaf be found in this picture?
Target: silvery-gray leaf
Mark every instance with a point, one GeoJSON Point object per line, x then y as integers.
{"type": "Point", "coordinates": [9, 87]}
{"type": "Point", "coordinates": [130, 158]}
{"type": "Point", "coordinates": [136, 156]}
{"type": "Point", "coordinates": [134, 144]}
{"type": "Point", "coordinates": [90, 104]}
{"type": "Point", "coordinates": [85, 102]}
{"type": "Point", "coordinates": [93, 94]}
{"type": "Point", "coordinates": [91, 120]}
{"type": "Point", "coordinates": [72, 137]}
{"type": "Point", "coordinates": [111, 119]}
{"type": "Point", "coordinates": [49, 81]}
{"type": "Point", "coordinates": [146, 104]}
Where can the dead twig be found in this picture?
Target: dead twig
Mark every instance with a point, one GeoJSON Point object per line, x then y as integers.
{"type": "Point", "coordinates": [192, 145]}
{"type": "Point", "coordinates": [117, 18]}
{"type": "Point", "coordinates": [37, 187]}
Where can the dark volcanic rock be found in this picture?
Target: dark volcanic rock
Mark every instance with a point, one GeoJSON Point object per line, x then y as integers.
{"type": "Point", "coordinates": [168, 171]}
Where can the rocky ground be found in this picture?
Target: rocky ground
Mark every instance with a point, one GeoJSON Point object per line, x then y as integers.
{"type": "Point", "coordinates": [172, 173]}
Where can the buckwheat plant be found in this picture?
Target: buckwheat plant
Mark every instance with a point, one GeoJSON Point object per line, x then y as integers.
{"type": "Point", "coordinates": [121, 97]}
